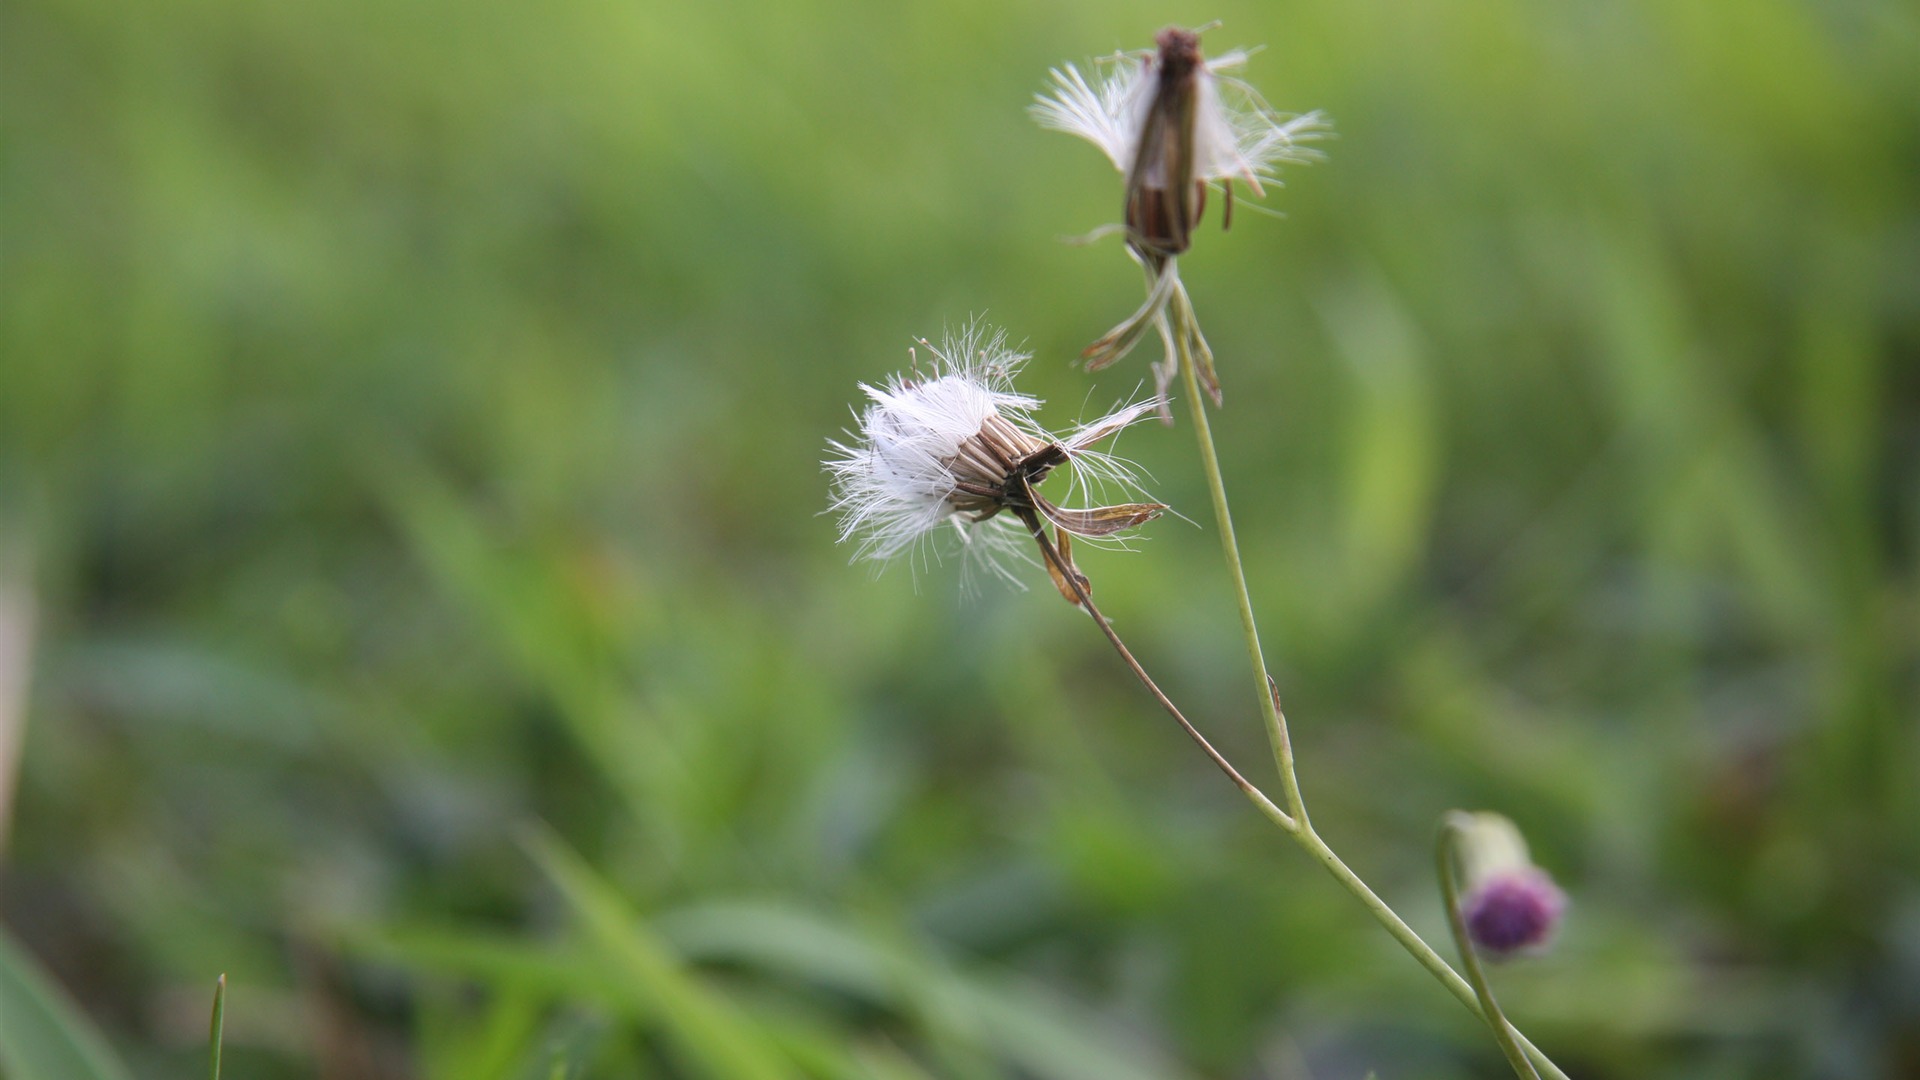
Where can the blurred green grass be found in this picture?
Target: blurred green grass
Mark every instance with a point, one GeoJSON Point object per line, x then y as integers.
{"type": "Point", "coordinates": [416, 411]}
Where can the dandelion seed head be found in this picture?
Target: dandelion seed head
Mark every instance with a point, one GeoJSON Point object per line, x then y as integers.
{"type": "Point", "coordinates": [936, 455]}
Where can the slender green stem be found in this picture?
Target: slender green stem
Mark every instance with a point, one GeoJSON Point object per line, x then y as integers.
{"type": "Point", "coordinates": [1183, 334]}
{"type": "Point", "coordinates": [1503, 1032]}
{"type": "Point", "coordinates": [1185, 329]}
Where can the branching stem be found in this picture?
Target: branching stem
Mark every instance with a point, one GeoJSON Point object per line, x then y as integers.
{"type": "Point", "coordinates": [1183, 333]}
{"type": "Point", "coordinates": [1072, 578]}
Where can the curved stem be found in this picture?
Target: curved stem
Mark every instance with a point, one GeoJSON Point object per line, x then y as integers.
{"type": "Point", "coordinates": [1503, 1032]}
{"type": "Point", "coordinates": [1185, 331]}
{"type": "Point", "coordinates": [1072, 579]}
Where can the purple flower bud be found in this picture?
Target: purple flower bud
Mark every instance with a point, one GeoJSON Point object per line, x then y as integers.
{"type": "Point", "coordinates": [1509, 906]}
{"type": "Point", "coordinates": [1513, 911]}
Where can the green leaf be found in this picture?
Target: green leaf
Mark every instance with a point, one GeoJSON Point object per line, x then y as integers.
{"type": "Point", "coordinates": [43, 1034]}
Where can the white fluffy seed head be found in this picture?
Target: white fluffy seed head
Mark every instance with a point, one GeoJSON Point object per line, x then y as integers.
{"type": "Point", "coordinates": [1236, 136]}
{"type": "Point", "coordinates": [896, 484]}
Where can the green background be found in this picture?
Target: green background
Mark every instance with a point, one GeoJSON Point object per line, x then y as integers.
{"type": "Point", "coordinates": [414, 412]}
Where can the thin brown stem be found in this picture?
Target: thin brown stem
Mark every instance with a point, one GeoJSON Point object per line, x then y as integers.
{"type": "Point", "coordinates": [1067, 574]}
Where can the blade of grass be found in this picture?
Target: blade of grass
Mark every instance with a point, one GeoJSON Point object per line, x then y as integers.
{"type": "Point", "coordinates": [712, 1035]}
{"type": "Point", "coordinates": [216, 1028]}
{"type": "Point", "coordinates": [531, 974]}
{"type": "Point", "coordinates": [503, 962]}
{"type": "Point", "coordinates": [43, 1035]}
{"type": "Point", "coordinates": [498, 1038]}
{"type": "Point", "coordinates": [1039, 1034]}
{"type": "Point", "coordinates": [515, 595]}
